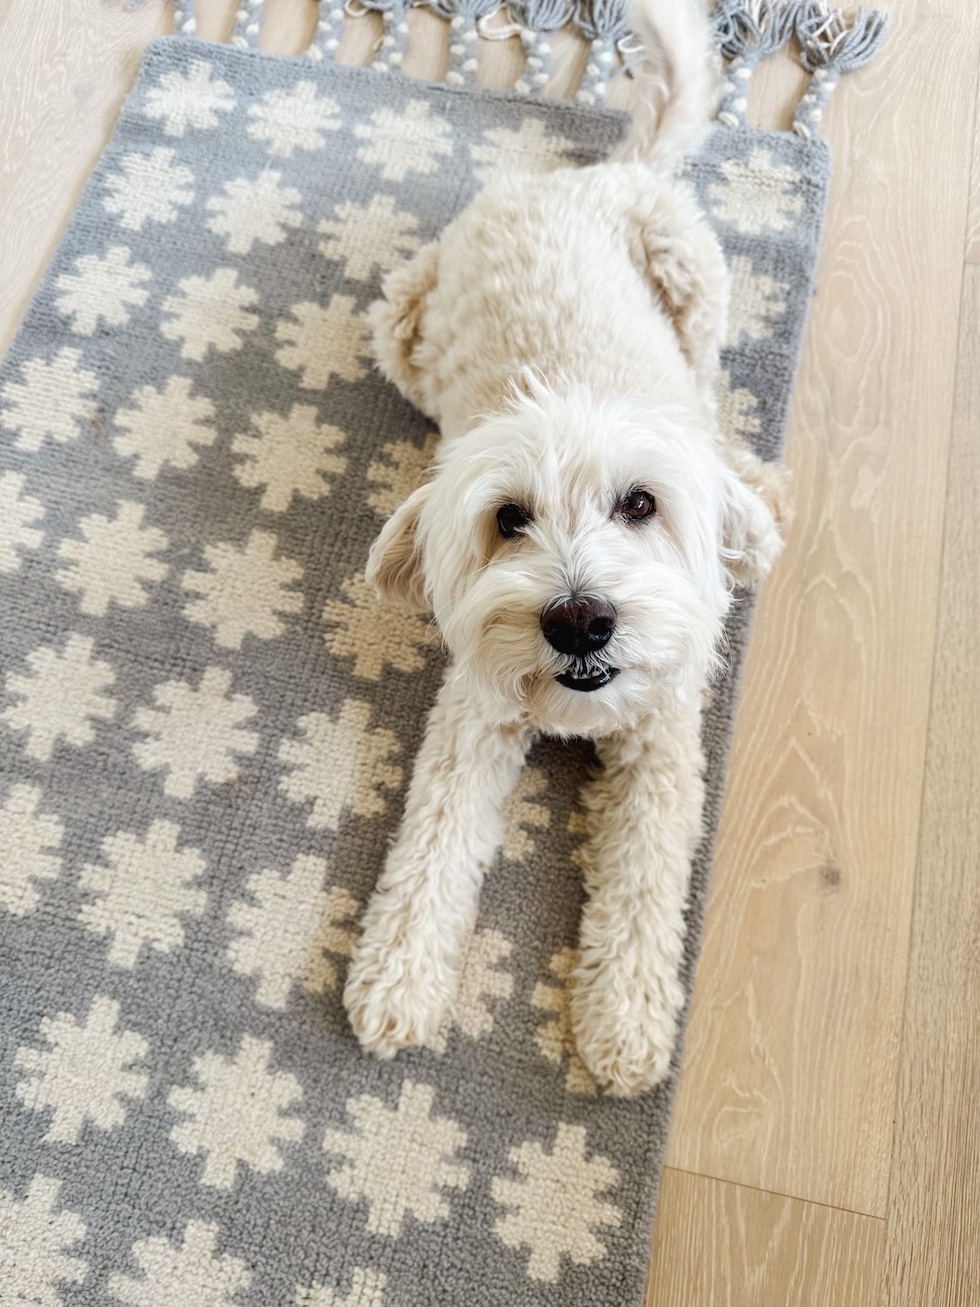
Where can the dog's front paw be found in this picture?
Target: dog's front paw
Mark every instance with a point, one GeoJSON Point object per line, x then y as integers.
{"type": "Point", "coordinates": [395, 996]}
{"type": "Point", "coordinates": [625, 1028]}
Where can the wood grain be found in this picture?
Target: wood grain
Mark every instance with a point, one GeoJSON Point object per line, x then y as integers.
{"type": "Point", "coordinates": [934, 1209]}
{"type": "Point", "coordinates": [722, 1245]}
{"type": "Point", "coordinates": [65, 68]}
{"type": "Point", "coordinates": [973, 219]}
{"type": "Point", "coordinates": [792, 1054]}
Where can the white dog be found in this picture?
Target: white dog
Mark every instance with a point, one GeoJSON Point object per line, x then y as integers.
{"type": "Point", "coordinates": [577, 542]}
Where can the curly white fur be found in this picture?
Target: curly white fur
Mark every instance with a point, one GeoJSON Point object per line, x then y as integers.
{"type": "Point", "coordinates": [564, 332]}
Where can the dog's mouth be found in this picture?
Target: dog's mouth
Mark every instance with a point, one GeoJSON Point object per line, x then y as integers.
{"type": "Point", "coordinates": [586, 677]}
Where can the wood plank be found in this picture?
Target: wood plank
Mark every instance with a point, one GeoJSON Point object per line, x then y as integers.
{"type": "Point", "coordinates": [973, 222]}
{"type": "Point", "coordinates": [934, 1209]}
{"type": "Point", "coordinates": [722, 1245]}
{"type": "Point", "coordinates": [792, 1053]}
{"type": "Point", "coordinates": [65, 68]}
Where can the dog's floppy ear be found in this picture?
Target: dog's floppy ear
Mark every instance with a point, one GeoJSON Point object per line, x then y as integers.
{"type": "Point", "coordinates": [684, 265]}
{"type": "Point", "coordinates": [756, 507]}
{"type": "Point", "coordinates": [394, 565]}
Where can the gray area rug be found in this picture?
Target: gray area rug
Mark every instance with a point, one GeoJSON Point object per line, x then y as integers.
{"type": "Point", "coordinates": [206, 724]}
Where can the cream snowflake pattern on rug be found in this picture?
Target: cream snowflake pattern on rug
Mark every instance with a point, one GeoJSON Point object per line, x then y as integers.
{"type": "Point", "coordinates": [180, 102]}
{"type": "Point", "coordinates": [528, 148]}
{"type": "Point", "coordinates": [289, 456]}
{"type": "Point", "coordinates": [483, 983]}
{"type": "Point", "coordinates": [51, 402]}
{"type": "Point", "coordinates": [365, 237]}
{"type": "Point", "coordinates": [321, 343]}
{"type": "Point", "coordinates": [85, 1073]}
{"type": "Point", "coordinates": [554, 1207]}
{"type": "Point", "coordinates": [18, 513]}
{"type": "Point", "coordinates": [367, 1289]}
{"type": "Point", "coordinates": [164, 428]}
{"type": "Point", "coordinates": [363, 627]}
{"type": "Point", "coordinates": [291, 931]}
{"type": "Point", "coordinates": [342, 765]}
{"type": "Point", "coordinates": [61, 697]}
{"type": "Point", "coordinates": [29, 840]}
{"type": "Point", "coordinates": [239, 1114]}
{"type": "Point", "coordinates": [114, 562]}
{"type": "Point", "coordinates": [738, 408]}
{"type": "Point", "coordinates": [400, 1160]}
{"type": "Point", "coordinates": [401, 141]}
{"type": "Point", "coordinates": [398, 472]}
{"type": "Point", "coordinates": [555, 1038]}
{"type": "Point", "coordinates": [210, 313]}
{"type": "Point", "coordinates": [245, 591]}
{"type": "Point", "coordinates": [758, 195]}
{"type": "Point", "coordinates": [195, 735]}
{"type": "Point", "coordinates": [262, 211]}
{"type": "Point", "coordinates": [757, 301]}
{"type": "Point", "coordinates": [293, 118]}
{"type": "Point", "coordinates": [102, 289]}
{"type": "Point", "coordinates": [523, 812]}
{"type": "Point", "coordinates": [148, 188]}
{"type": "Point", "coordinates": [141, 892]}
{"type": "Point", "coordinates": [35, 1238]}
{"type": "Point", "coordinates": [192, 1272]}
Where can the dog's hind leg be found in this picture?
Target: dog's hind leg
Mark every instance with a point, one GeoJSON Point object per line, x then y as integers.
{"type": "Point", "coordinates": [644, 823]}
{"type": "Point", "coordinates": [758, 513]}
{"type": "Point", "coordinates": [405, 968]}
{"type": "Point", "coordinates": [679, 256]}
{"type": "Point", "coordinates": [397, 321]}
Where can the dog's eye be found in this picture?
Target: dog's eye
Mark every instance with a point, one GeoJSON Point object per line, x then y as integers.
{"type": "Point", "coordinates": [511, 519]}
{"type": "Point", "coordinates": [637, 505]}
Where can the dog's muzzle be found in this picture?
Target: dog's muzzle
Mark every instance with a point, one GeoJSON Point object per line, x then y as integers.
{"type": "Point", "coordinates": [579, 628]}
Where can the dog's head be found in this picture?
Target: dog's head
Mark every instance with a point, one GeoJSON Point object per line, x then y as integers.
{"type": "Point", "coordinates": [578, 555]}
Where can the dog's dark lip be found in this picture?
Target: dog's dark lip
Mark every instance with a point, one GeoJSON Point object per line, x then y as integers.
{"type": "Point", "coordinates": [587, 683]}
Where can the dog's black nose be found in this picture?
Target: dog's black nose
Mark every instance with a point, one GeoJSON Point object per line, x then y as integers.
{"type": "Point", "coordinates": [578, 626]}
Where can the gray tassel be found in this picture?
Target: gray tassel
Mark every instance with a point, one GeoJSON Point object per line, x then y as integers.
{"type": "Point", "coordinates": [391, 52]}
{"type": "Point", "coordinates": [829, 40]}
{"type": "Point", "coordinates": [535, 19]}
{"type": "Point", "coordinates": [603, 24]}
{"type": "Point", "coordinates": [185, 24]}
{"type": "Point", "coordinates": [463, 17]}
{"type": "Point", "coordinates": [752, 29]}
{"type": "Point", "coordinates": [248, 19]}
{"type": "Point", "coordinates": [747, 31]}
{"type": "Point", "coordinates": [831, 44]}
{"type": "Point", "coordinates": [329, 29]}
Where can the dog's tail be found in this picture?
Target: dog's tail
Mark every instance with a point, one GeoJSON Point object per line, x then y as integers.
{"type": "Point", "coordinates": [677, 86]}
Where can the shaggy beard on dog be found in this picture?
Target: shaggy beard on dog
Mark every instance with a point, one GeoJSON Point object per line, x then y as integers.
{"type": "Point", "coordinates": [578, 540]}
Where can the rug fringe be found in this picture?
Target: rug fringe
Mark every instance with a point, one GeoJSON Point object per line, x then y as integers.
{"type": "Point", "coordinates": [185, 24]}
{"type": "Point", "coordinates": [831, 44]}
{"type": "Point", "coordinates": [464, 17]}
{"type": "Point", "coordinates": [329, 29]}
{"type": "Point", "coordinates": [828, 39]}
{"type": "Point", "coordinates": [390, 52]}
{"type": "Point", "coordinates": [535, 21]}
{"type": "Point", "coordinates": [603, 24]}
{"type": "Point", "coordinates": [746, 31]}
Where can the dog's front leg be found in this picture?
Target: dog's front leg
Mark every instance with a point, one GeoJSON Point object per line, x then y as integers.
{"type": "Point", "coordinates": [644, 823]}
{"type": "Point", "coordinates": [405, 968]}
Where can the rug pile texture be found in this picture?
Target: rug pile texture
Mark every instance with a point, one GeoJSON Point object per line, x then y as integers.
{"type": "Point", "coordinates": [207, 723]}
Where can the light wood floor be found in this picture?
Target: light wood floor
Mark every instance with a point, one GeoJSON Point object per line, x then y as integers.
{"type": "Point", "coordinates": [826, 1146]}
